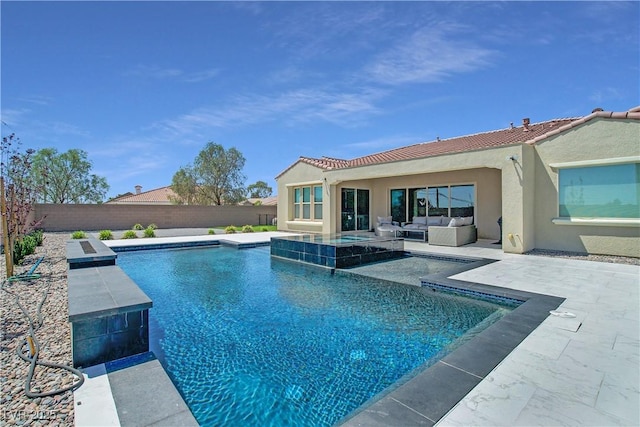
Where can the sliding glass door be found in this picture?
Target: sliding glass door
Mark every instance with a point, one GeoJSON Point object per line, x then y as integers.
{"type": "Point", "coordinates": [355, 210]}
{"type": "Point", "coordinates": [399, 205]}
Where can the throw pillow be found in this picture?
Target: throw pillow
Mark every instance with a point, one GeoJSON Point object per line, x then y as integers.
{"type": "Point", "coordinates": [384, 220]}
{"type": "Point", "coordinates": [421, 220]}
{"type": "Point", "coordinates": [455, 222]}
{"type": "Point", "coordinates": [434, 220]}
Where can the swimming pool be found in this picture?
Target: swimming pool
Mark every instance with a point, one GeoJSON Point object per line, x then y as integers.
{"type": "Point", "coordinates": [249, 339]}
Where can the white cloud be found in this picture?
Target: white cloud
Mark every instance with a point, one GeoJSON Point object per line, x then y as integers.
{"type": "Point", "coordinates": [382, 144]}
{"type": "Point", "coordinates": [200, 76]}
{"type": "Point", "coordinates": [429, 55]}
{"type": "Point", "coordinates": [293, 107]}
{"type": "Point", "coordinates": [160, 73]}
{"type": "Point", "coordinates": [154, 72]}
{"type": "Point", "coordinates": [606, 94]}
{"type": "Point", "coordinates": [37, 100]}
{"type": "Point", "coordinates": [13, 117]}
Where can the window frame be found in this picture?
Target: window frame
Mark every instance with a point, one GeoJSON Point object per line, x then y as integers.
{"type": "Point", "coordinates": [305, 203]}
{"type": "Point", "coordinates": [593, 220]}
{"type": "Point", "coordinates": [410, 200]}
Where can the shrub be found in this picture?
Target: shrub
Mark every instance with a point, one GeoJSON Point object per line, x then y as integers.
{"type": "Point", "coordinates": [38, 234]}
{"type": "Point", "coordinates": [152, 226]}
{"type": "Point", "coordinates": [230, 229]}
{"type": "Point", "coordinates": [129, 234]}
{"type": "Point", "coordinates": [23, 247]}
{"type": "Point", "coordinates": [105, 235]}
{"type": "Point", "coordinates": [148, 232]}
{"type": "Point", "coordinates": [212, 231]}
{"type": "Point", "coordinates": [79, 235]}
{"type": "Point", "coordinates": [138, 227]}
{"type": "Point", "coordinates": [247, 229]}
{"type": "Point", "coordinates": [265, 229]}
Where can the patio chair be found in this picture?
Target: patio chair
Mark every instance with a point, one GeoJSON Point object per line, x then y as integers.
{"type": "Point", "coordinates": [386, 227]}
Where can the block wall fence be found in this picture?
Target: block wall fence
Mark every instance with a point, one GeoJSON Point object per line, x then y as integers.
{"type": "Point", "coordinates": [68, 217]}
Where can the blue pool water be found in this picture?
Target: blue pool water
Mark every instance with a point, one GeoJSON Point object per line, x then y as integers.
{"type": "Point", "coordinates": [252, 340]}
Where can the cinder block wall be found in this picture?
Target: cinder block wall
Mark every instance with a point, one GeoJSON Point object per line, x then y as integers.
{"type": "Point", "coordinates": [68, 217]}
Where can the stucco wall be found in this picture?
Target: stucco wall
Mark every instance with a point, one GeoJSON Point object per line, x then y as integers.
{"type": "Point", "coordinates": [482, 168]}
{"type": "Point", "coordinates": [299, 174]}
{"type": "Point", "coordinates": [65, 217]}
{"type": "Point", "coordinates": [595, 140]}
{"type": "Point", "coordinates": [488, 194]}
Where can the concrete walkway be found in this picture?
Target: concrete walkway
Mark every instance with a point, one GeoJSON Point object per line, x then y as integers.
{"type": "Point", "coordinates": [578, 371]}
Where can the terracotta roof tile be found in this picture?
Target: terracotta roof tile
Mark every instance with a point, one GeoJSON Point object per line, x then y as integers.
{"type": "Point", "coordinates": [530, 134]}
{"type": "Point", "coordinates": [156, 196]}
{"type": "Point", "coordinates": [461, 144]}
{"type": "Point", "coordinates": [265, 201]}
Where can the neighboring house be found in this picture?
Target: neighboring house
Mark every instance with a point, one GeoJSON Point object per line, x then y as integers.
{"type": "Point", "coordinates": [262, 201]}
{"type": "Point", "coordinates": [163, 195]}
{"type": "Point", "coordinates": [158, 196]}
{"type": "Point", "coordinates": [569, 184]}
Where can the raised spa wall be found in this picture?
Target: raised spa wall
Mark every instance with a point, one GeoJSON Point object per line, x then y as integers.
{"type": "Point", "coordinates": [336, 255]}
{"type": "Point", "coordinates": [109, 313]}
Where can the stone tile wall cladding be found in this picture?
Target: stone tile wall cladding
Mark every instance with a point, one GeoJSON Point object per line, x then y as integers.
{"type": "Point", "coordinates": [332, 256]}
{"type": "Point", "coordinates": [68, 217]}
{"type": "Point", "coordinates": [109, 313]}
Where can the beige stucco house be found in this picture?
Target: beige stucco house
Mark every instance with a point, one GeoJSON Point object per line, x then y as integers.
{"type": "Point", "coordinates": [565, 184]}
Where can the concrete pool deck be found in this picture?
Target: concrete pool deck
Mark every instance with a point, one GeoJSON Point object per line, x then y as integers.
{"type": "Point", "coordinates": [569, 371]}
{"type": "Point", "coordinates": [582, 370]}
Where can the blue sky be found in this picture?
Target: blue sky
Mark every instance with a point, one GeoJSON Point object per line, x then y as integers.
{"type": "Point", "coordinates": [143, 86]}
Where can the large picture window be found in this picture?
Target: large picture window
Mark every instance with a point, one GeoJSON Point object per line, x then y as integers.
{"type": "Point", "coordinates": [608, 191]}
{"type": "Point", "coordinates": [445, 200]}
{"type": "Point", "coordinates": [452, 200]}
{"type": "Point", "coordinates": [307, 203]}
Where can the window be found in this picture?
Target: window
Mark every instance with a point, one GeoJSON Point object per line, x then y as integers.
{"type": "Point", "coordinates": [399, 205]}
{"type": "Point", "coordinates": [462, 200]}
{"type": "Point", "coordinates": [452, 201]}
{"type": "Point", "coordinates": [438, 201]}
{"type": "Point", "coordinates": [317, 202]}
{"type": "Point", "coordinates": [417, 202]}
{"type": "Point", "coordinates": [608, 191]}
{"type": "Point", "coordinates": [445, 200]}
{"type": "Point", "coordinates": [307, 203]}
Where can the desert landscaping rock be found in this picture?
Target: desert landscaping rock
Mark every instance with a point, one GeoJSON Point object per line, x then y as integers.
{"type": "Point", "coordinates": [54, 336]}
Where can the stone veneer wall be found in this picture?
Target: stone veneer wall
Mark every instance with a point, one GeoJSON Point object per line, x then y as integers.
{"type": "Point", "coordinates": [68, 217]}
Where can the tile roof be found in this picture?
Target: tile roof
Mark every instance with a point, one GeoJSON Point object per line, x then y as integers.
{"type": "Point", "coordinates": [530, 134]}
{"type": "Point", "coordinates": [265, 201]}
{"type": "Point", "coordinates": [158, 196]}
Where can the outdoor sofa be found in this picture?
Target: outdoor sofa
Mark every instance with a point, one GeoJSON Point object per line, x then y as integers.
{"type": "Point", "coordinates": [453, 232]}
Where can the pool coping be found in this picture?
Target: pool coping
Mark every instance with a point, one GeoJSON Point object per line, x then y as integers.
{"type": "Point", "coordinates": [423, 398]}
{"type": "Point", "coordinates": [428, 393]}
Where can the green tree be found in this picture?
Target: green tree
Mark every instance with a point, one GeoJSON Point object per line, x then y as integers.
{"type": "Point", "coordinates": [259, 190]}
{"type": "Point", "coordinates": [66, 177]}
{"type": "Point", "coordinates": [215, 178]}
{"type": "Point", "coordinates": [185, 185]}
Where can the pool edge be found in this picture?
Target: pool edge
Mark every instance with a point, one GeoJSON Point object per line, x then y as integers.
{"type": "Point", "coordinates": [429, 395]}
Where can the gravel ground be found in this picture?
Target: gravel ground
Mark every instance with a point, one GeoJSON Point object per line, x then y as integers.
{"type": "Point", "coordinates": [586, 257]}
{"type": "Point", "coordinates": [55, 335]}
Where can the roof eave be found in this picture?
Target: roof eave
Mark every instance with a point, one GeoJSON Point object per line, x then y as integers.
{"type": "Point", "coordinates": [633, 114]}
